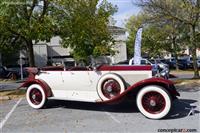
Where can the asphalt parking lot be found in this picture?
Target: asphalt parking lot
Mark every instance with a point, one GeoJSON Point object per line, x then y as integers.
{"type": "Point", "coordinates": [66, 116]}
{"type": "Point", "coordinates": [9, 86]}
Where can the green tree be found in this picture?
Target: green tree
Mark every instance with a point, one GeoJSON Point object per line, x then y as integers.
{"type": "Point", "coordinates": [85, 27]}
{"type": "Point", "coordinates": [182, 11]}
{"type": "Point", "coordinates": [27, 21]}
{"type": "Point", "coordinates": [154, 38]}
{"type": "Point", "coordinates": [158, 36]}
{"type": "Point", "coordinates": [133, 24]}
{"type": "Point", "coordinates": [82, 24]}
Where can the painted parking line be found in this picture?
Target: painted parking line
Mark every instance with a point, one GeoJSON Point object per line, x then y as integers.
{"type": "Point", "coordinates": [112, 117]}
{"type": "Point", "coordinates": [9, 114]}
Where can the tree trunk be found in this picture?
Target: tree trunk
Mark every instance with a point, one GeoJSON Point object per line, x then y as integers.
{"type": "Point", "coordinates": [176, 59]}
{"type": "Point", "coordinates": [195, 67]}
{"type": "Point", "coordinates": [175, 52]}
{"type": "Point", "coordinates": [30, 53]}
{"type": "Point", "coordinates": [194, 55]}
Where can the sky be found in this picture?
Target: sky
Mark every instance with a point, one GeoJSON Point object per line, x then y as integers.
{"type": "Point", "coordinates": [126, 8]}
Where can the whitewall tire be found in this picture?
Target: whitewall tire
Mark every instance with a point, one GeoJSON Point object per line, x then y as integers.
{"type": "Point", "coordinates": [35, 96]}
{"type": "Point", "coordinates": [109, 86]}
{"type": "Point", "coordinates": [154, 102]}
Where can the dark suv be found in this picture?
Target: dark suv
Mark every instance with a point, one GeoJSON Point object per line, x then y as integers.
{"type": "Point", "coordinates": [8, 74]}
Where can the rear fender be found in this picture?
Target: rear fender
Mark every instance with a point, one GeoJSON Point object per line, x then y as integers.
{"type": "Point", "coordinates": [42, 83]}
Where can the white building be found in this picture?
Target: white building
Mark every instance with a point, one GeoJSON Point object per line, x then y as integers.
{"type": "Point", "coordinates": [53, 51]}
{"type": "Point", "coordinates": [188, 52]}
{"type": "Point", "coordinates": [185, 53]}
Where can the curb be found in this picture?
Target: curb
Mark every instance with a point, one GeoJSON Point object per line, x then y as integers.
{"type": "Point", "coordinates": [4, 98]}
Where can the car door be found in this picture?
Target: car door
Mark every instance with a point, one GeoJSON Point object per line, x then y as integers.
{"type": "Point", "coordinates": [76, 84]}
{"type": "Point", "coordinates": [76, 80]}
{"type": "Point", "coordinates": [80, 85]}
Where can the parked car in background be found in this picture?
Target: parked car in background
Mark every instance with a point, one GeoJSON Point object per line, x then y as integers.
{"type": "Point", "coordinates": [8, 74]}
{"type": "Point", "coordinates": [160, 62]}
{"type": "Point", "coordinates": [198, 63]}
{"type": "Point", "coordinates": [157, 71]}
{"type": "Point", "coordinates": [12, 72]}
{"type": "Point", "coordinates": [171, 63]}
{"type": "Point", "coordinates": [183, 64]}
{"type": "Point", "coordinates": [17, 69]}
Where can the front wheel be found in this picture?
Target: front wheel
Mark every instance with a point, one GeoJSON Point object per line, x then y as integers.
{"type": "Point", "coordinates": [154, 102]}
{"type": "Point", "coordinates": [35, 96]}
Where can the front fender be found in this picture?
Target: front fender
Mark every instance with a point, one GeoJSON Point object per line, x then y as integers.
{"type": "Point", "coordinates": [167, 84]}
{"type": "Point", "coordinates": [42, 83]}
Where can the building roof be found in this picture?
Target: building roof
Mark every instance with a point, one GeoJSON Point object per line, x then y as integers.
{"type": "Point", "coordinates": [117, 30]}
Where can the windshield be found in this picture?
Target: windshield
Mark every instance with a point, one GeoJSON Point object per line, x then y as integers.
{"type": "Point", "coordinates": [100, 60]}
{"type": "Point", "coordinates": [158, 61]}
{"type": "Point", "coordinates": [152, 61]}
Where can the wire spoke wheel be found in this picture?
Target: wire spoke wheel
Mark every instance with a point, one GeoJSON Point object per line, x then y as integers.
{"type": "Point", "coordinates": [153, 102]}
{"type": "Point", "coordinates": [110, 88]}
{"type": "Point", "coordinates": [35, 96]}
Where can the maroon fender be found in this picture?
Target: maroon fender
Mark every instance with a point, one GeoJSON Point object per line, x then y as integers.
{"type": "Point", "coordinates": [167, 84]}
{"type": "Point", "coordinates": [42, 83]}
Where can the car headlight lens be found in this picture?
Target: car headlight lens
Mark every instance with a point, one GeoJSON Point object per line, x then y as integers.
{"type": "Point", "coordinates": [163, 73]}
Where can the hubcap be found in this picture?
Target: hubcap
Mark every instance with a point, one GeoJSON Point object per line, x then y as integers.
{"type": "Point", "coordinates": [153, 102]}
{"type": "Point", "coordinates": [110, 88]}
{"type": "Point", "coordinates": [35, 96]}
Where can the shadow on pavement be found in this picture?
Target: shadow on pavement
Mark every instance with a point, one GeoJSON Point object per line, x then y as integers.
{"type": "Point", "coordinates": [180, 108]}
{"type": "Point", "coordinates": [124, 107]}
{"type": "Point", "coordinates": [187, 89]}
{"type": "Point", "coordinates": [183, 108]}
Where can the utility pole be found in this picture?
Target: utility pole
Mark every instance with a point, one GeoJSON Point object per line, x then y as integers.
{"type": "Point", "coordinates": [21, 65]}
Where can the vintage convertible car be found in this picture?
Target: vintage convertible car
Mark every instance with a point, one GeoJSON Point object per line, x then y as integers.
{"type": "Point", "coordinates": [103, 84]}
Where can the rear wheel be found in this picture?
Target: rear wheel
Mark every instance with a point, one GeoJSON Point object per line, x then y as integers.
{"type": "Point", "coordinates": [35, 96]}
{"type": "Point", "coordinates": [154, 102]}
{"type": "Point", "coordinates": [110, 86]}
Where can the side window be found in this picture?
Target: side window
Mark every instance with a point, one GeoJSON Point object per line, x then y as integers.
{"type": "Point", "coordinates": [143, 62]}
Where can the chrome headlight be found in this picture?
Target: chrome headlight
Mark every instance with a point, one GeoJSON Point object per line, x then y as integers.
{"type": "Point", "coordinates": [163, 73]}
